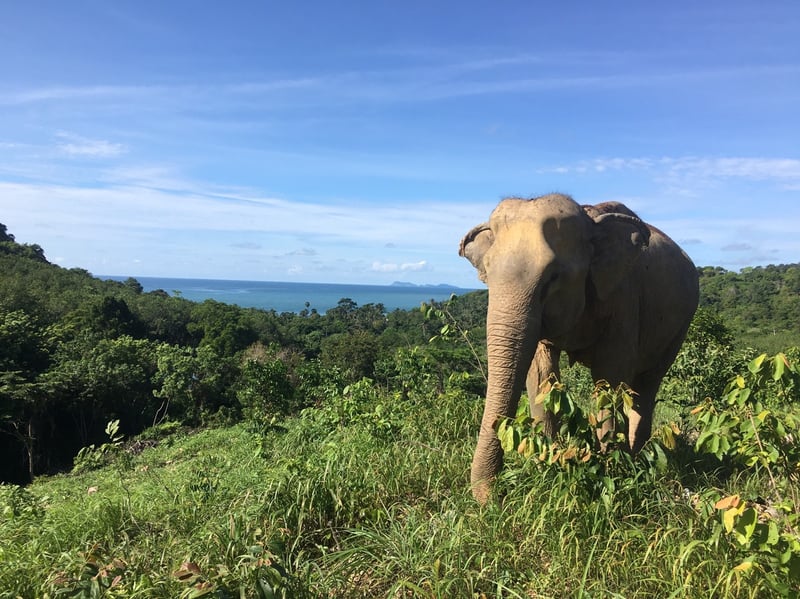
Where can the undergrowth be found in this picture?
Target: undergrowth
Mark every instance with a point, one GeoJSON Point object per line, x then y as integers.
{"type": "Point", "coordinates": [368, 496]}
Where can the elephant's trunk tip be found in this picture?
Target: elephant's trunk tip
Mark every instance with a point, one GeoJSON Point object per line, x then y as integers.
{"type": "Point", "coordinates": [482, 491]}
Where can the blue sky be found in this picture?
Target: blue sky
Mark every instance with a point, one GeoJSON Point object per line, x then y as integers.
{"type": "Point", "coordinates": [357, 142]}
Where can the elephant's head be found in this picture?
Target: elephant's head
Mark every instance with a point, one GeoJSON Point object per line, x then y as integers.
{"type": "Point", "coordinates": [541, 259]}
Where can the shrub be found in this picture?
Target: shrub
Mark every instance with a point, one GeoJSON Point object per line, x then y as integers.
{"type": "Point", "coordinates": [756, 426]}
{"type": "Point", "coordinates": [93, 457]}
{"type": "Point", "coordinates": [265, 391]}
{"type": "Point", "coordinates": [705, 362]}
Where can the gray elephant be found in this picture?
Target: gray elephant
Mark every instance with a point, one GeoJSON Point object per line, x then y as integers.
{"type": "Point", "coordinates": [616, 294]}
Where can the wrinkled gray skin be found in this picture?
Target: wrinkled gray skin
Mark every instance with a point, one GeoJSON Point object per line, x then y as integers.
{"type": "Point", "coordinates": [595, 281]}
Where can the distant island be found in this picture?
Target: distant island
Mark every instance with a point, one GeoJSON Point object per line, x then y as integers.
{"type": "Point", "coordinates": [426, 286]}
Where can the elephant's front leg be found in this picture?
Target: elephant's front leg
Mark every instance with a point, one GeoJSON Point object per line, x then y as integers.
{"type": "Point", "coordinates": [544, 364]}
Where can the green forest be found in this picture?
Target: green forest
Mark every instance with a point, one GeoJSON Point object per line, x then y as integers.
{"type": "Point", "coordinates": [157, 447]}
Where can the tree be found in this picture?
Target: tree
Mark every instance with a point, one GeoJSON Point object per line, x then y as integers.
{"type": "Point", "coordinates": [265, 390]}
{"type": "Point", "coordinates": [97, 380]}
{"type": "Point", "coordinates": [24, 354]}
{"type": "Point", "coordinates": [112, 318]}
{"type": "Point", "coordinates": [4, 235]}
{"type": "Point", "coordinates": [192, 382]}
{"type": "Point", "coordinates": [23, 344]}
{"type": "Point", "coordinates": [23, 407]}
{"type": "Point", "coordinates": [133, 285]}
{"type": "Point", "coordinates": [705, 362]}
{"type": "Point", "coordinates": [353, 353]}
{"type": "Point", "coordinates": [222, 327]}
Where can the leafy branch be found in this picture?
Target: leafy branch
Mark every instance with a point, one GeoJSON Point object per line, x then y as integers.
{"type": "Point", "coordinates": [452, 327]}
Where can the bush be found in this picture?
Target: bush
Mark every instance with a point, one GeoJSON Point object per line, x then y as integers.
{"type": "Point", "coordinates": [756, 427]}
{"type": "Point", "coordinates": [265, 391]}
{"type": "Point", "coordinates": [705, 362]}
{"type": "Point", "coordinates": [360, 404]}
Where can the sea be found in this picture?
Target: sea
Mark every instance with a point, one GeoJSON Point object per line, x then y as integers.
{"type": "Point", "coordinates": [295, 297]}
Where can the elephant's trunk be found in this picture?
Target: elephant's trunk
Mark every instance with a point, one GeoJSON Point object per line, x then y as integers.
{"type": "Point", "coordinates": [512, 333]}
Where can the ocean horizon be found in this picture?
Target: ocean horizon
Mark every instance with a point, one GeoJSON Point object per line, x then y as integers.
{"type": "Point", "coordinates": [294, 297]}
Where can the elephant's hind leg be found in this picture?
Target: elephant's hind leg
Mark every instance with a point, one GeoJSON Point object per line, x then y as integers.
{"type": "Point", "coordinates": [646, 385]}
{"type": "Point", "coordinates": [544, 364]}
{"type": "Point", "coordinates": [640, 419]}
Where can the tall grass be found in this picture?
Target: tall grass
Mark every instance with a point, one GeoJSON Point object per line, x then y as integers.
{"type": "Point", "coordinates": [372, 503]}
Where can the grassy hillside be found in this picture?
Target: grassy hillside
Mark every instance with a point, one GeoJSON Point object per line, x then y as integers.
{"type": "Point", "coordinates": [367, 496]}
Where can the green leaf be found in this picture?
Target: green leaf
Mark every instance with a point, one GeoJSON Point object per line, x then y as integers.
{"type": "Point", "coordinates": [744, 396]}
{"type": "Point", "coordinates": [713, 445]}
{"type": "Point", "coordinates": [755, 365]}
{"type": "Point", "coordinates": [773, 535]}
{"type": "Point", "coordinates": [778, 365]}
{"type": "Point", "coordinates": [745, 525]}
{"type": "Point", "coordinates": [661, 457]}
{"type": "Point", "coordinates": [729, 518]}
{"type": "Point", "coordinates": [506, 435]}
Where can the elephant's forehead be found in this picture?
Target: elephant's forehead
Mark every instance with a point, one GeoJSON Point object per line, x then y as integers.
{"type": "Point", "coordinates": [553, 206]}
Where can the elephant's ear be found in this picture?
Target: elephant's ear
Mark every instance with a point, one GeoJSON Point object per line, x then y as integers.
{"type": "Point", "coordinates": [474, 245]}
{"type": "Point", "coordinates": [617, 239]}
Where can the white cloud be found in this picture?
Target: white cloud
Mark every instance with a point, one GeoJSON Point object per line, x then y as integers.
{"type": "Point", "coordinates": [395, 267]}
{"type": "Point", "coordinates": [188, 208]}
{"type": "Point", "coordinates": [785, 170]}
{"type": "Point", "coordinates": [163, 227]}
{"type": "Point", "coordinates": [76, 145]}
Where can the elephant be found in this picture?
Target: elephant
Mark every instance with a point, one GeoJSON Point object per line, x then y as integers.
{"type": "Point", "coordinates": [596, 282]}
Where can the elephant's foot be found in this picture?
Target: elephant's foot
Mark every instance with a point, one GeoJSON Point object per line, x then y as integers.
{"type": "Point", "coordinates": [639, 429]}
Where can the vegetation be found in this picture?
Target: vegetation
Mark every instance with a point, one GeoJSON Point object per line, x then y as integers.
{"type": "Point", "coordinates": [77, 352]}
{"type": "Point", "coordinates": [209, 450]}
{"type": "Point", "coordinates": [758, 304]}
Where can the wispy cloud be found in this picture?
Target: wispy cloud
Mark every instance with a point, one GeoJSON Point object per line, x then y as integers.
{"type": "Point", "coordinates": [166, 224]}
{"type": "Point", "coordinates": [782, 170]}
{"type": "Point", "coordinates": [417, 79]}
{"type": "Point", "coordinates": [66, 93]}
{"type": "Point", "coordinates": [308, 252]}
{"type": "Point", "coordinates": [76, 145]}
{"type": "Point", "coordinates": [737, 247]}
{"type": "Point", "coordinates": [395, 267]}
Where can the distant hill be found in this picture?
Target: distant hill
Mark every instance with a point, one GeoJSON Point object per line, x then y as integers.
{"type": "Point", "coordinates": [425, 286]}
{"type": "Point", "coordinates": [9, 246]}
{"type": "Point", "coordinates": [756, 303]}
